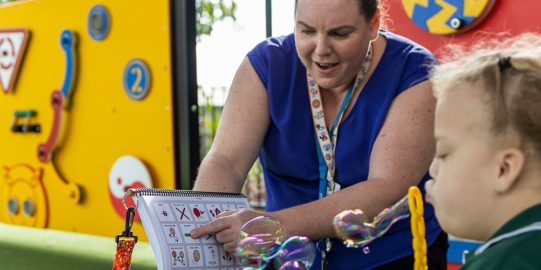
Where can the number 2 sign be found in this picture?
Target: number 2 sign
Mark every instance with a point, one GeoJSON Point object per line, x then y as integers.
{"type": "Point", "coordinates": [136, 79]}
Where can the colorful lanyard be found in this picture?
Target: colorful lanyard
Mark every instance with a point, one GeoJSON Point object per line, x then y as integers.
{"type": "Point", "coordinates": [326, 138]}
{"type": "Point", "coordinates": [125, 243]}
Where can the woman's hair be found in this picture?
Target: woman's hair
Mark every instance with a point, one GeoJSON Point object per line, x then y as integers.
{"type": "Point", "coordinates": [509, 68]}
{"type": "Point", "coordinates": [367, 8]}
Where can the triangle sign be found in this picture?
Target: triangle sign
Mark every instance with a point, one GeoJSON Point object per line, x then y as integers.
{"type": "Point", "coordinates": [13, 44]}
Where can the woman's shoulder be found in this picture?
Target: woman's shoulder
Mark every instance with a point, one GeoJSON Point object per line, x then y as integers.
{"type": "Point", "coordinates": [401, 46]}
{"type": "Point", "coordinates": [276, 45]}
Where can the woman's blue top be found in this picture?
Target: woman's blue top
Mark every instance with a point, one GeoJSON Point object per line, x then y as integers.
{"type": "Point", "coordinates": [288, 155]}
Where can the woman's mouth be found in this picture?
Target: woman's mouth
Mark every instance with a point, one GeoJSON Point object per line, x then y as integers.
{"type": "Point", "coordinates": [326, 67]}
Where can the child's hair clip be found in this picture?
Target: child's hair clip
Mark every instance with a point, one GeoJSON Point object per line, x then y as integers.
{"type": "Point", "coordinates": [504, 63]}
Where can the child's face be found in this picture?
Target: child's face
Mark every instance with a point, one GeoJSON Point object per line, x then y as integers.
{"type": "Point", "coordinates": [464, 164]}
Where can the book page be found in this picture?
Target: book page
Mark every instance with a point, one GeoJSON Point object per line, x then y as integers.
{"type": "Point", "coordinates": [175, 216]}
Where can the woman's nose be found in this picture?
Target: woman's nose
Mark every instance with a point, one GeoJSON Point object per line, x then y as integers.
{"type": "Point", "coordinates": [322, 46]}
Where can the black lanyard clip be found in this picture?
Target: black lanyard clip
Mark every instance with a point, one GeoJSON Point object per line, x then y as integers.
{"type": "Point", "coordinates": [127, 233]}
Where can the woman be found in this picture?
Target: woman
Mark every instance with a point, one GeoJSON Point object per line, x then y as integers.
{"type": "Point", "coordinates": [292, 95]}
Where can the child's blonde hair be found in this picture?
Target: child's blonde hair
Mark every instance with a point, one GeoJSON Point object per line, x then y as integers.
{"type": "Point", "coordinates": [510, 70]}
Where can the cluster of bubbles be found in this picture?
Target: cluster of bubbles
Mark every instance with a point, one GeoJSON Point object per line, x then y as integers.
{"type": "Point", "coordinates": [263, 240]}
{"type": "Point", "coordinates": [355, 229]}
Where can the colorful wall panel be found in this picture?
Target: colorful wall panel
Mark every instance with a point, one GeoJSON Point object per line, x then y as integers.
{"type": "Point", "coordinates": [86, 110]}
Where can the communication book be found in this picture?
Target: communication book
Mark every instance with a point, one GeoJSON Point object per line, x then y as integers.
{"type": "Point", "coordinates": [169, 216]}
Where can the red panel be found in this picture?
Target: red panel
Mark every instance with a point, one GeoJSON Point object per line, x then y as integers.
{"type": "Point", "coordinates": [506, 16]}
{"type": "Point", "coordinates": [453, 266]}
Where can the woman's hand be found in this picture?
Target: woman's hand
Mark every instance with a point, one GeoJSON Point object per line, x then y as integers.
{"type": "Point", "coordinates": [226, 227]}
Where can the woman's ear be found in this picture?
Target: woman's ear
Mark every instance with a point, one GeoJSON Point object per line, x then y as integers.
{"type": "Point", "coordinates": [511, 165]}
{"type": "Point", "coordinates": [374, 25]}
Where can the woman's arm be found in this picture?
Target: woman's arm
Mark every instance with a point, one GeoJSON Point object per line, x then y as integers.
{"type": "Point", "coordinates": [400, 157]}
{"type": "Point", "coordinates": [243, 125]}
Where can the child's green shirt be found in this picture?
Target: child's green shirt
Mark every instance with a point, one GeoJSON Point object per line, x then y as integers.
{"type": "Point", "coordinates": [516, 245]}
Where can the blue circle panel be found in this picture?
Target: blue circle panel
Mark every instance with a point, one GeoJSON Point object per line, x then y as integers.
{"type": "Point", "coordinates": [136, 79]}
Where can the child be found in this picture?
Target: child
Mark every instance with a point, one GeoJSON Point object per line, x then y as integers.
{"type": "Point", "coordinates": [487, 169]}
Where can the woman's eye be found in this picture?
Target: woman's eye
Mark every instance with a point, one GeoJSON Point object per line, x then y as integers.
{"type": "Point", "coordinates": [340, 34]}
{"type": "Point", "coordinates": [307, 31]}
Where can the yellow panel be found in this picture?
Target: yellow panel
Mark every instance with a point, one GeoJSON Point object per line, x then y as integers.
{"type": "Point", "coordinates": [409, 5]}
{"type": "Point", "coordinates": [475, 8]}
{"type": "Point", "coordinates": [103, 124]}
{"type": "Point", "coordinates": [436, 24]}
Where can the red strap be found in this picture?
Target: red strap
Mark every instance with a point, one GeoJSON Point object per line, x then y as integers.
{"type": "Point", "coordinates": [124, 249]}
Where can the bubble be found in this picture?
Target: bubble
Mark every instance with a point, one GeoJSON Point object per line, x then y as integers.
{"type": "Point", "coordinates": [352, 227]}
{"type": "Point", "coordinates": [293, 265]}
{"type": "Point", "coordinates": [355, 229]}
{"type": "Point", "coordinates": [366, 250]}
{"type": "Point", "coordinates": [259, 241]}
{"type": "Point", "coordinates": [296, 249]}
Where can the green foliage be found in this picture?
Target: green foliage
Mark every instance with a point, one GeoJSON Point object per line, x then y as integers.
{"type": "Point", "coordinates": [209, 118]}
{"type": "Point", "coordinates": [207, 13]}
{"type": "Point", "coordinates": [210, 11]}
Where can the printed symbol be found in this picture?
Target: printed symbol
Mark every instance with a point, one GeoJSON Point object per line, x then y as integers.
{"type": "Point", "coordinates": [437, 17]}
{"type": "Point", "coordinates": [182, 215]}
{"type": "Point", "coordinates": [316, 103]}
{"type": "Point", "coordinates": [164, 213]}
{"type": "Point", "coordinates": [319, 115]}
{"type": "Point", "coordinates": [326, 147]}
{"type": "Point", "coordinates": [227, 256]}
{"type": "Point", "coordinates": [327, 157]}
{"type": "Point", "coordinates": [313, 91]}
{"type": "Point", "coordinates": [98, 22]}
{"type": "Point", "coordinates": [173, 234]}
{"type": "Point", "coordinates": [12, 48]}
{"type": "Point", "coordinates": [215, 212]}
{"type": "Point", "coordinates": [8, 53]}
{"type": "Point", "coordinates": [323, 137]}
{"type": "Point", "coordinates": [319, 127]}
{"type": "Point", "coordinates": [178, 257]}
{"type": "Point", "coordinates": [127, 172]}
{"type": "Point", "coordinates": [197, 212]}
{"type": "Point", "coordinates": [196, 255]}
{"type": "Point", "coordinates": [136, 79]}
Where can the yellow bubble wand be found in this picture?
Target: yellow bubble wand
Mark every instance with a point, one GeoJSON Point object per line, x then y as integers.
{"type": "Point", "coordinates": [415, 202]}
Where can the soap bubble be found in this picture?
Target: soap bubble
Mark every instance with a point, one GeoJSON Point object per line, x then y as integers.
{"type": "Point", "coordinates": [259, 241]}
{"type": "Point", "coordinates": [355, 229]}
{"type": "Point", "coordinates": [366, 250]}
{"type": "Point", "coordinates": [293, 265]}
{"type": "Point", "coordinates": [297, 250]}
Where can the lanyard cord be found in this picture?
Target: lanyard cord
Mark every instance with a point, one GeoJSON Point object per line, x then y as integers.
{"type": "Point", "coordinates": [125, 243]}
{"type": "Point", "coordinates": [326, 138]}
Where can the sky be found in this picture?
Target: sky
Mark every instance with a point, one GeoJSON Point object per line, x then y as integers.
{"type": "Point", "coordinates": [219, 55]}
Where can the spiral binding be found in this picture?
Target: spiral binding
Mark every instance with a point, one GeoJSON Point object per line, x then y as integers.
{"type": "Point", "coordinates": [182, 193]}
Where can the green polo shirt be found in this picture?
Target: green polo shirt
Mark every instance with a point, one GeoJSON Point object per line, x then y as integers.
{"type": "Point", "coordinates": [522, 251]}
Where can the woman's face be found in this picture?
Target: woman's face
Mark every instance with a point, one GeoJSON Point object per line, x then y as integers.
{"type": "Point", "coordinates": [332, 38]}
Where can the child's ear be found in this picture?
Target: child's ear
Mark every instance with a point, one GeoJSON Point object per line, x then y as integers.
{"type": "Point", "coordinates": [511, 165]}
